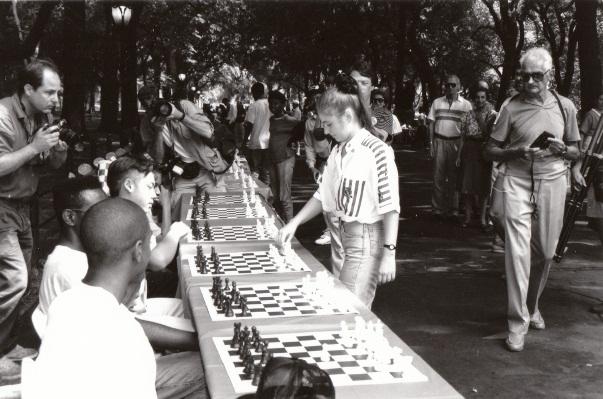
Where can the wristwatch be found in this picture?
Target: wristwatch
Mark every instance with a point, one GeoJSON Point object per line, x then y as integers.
{"type": "Point", "coordinates": [391, 247]}
{"type": "Point", "coordinates": [182, 118]}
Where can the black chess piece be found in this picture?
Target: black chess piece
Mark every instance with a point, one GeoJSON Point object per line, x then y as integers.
{"type": "Point", "coordinates": [228, 308]}
{"type": "Point", "coordinates": [214, 254]}
{"type": "Point", "coordinates": [234, 289]}
{"type": "Point", "coordinates": [257, 374]}
{"type": "Point", "coordinates": [248, 368]}
{"type": "Point", "coordinates": [217, 300]}
{"type": "Point", "coordinates": [207, 196]}
{"type": "Point", "coordinates": [226, 284]}
{"type": "Point", "coordinates": [254, 335]}
{"type": "Point", "coordinates": [244, 309]}
{"type": "Point", "coordinates": [235, 337]}
{"type": "Point", "coordinates": [266, 355]}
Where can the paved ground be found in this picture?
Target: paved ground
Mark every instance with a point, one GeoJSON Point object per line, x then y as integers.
{"type": "Point", "coordinates": [448, 301]}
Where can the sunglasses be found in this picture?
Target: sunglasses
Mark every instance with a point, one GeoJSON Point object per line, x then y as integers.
{"type": "Point", "coordinates": [378, 100]}
{"type": "Point", "coordinates": [451, 85]}
{"type": "Point", "coordinates": [536, 76]}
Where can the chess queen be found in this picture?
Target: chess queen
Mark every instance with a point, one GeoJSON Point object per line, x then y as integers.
{"type": "Point", "coordinates": [360, 187]}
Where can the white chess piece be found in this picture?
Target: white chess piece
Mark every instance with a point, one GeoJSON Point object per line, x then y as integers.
{"type": "Point", "coordinates": [248, 212]}
{"type": "Point", "coordinates": [324, 355]}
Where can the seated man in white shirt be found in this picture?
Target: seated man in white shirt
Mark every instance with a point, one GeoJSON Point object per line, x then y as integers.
{"type": "Point", "coordinates": [67, 265]}
{"type": "Point", "coordinates": [134, 180]}
{"type": "Point", "coordinates": [93, 347]}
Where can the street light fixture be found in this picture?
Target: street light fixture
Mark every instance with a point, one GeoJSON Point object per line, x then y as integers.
{"type": "Point", "coordinates": [121, 15]}
{"type": "Point", "coordinates": [181, 77]}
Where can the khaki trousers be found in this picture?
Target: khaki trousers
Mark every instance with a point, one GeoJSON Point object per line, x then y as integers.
{"type": "Point", "coordinates": [445, 176]}
{"type": "Point", "coordinates": [530, 243]}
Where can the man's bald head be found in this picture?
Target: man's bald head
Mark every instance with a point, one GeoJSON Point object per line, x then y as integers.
{"type": "Point", "coordinates": [111, 231]}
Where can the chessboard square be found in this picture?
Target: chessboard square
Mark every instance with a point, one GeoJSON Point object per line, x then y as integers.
{"type": "Point", "coordinates": [338, 352]}
{"type": "Point", "coordinates": [243, 377]}
{"type": "Point", "coordinates": [359, 377]}
{"type": "Point", "coordinates": [238, 363]}
{"type": "Point", "coordinates": [350, 363]}
{"type": "Point", "coordinates": [272, 339]}
{"type": "Point", "coordinates": [278, 350]}
{"type": "Point", "coordinates": [302, 303]}
{"type": "Point", "coordinates": [289, 308]}
{"type": "Point", "coordinates": [262, 291]}
{"type": "Point", "coordinates": [397, 374]}
{"type": "Point", "coordinates": [313, 348]}
{"type": "Point", "coordinates": [296, 296]}
{"type": "Point", "coordinates": [291, 344]}
{"type": "Point", "coordinates": [333, 371]}
{"type": "Point", "coordinates": [307, 312]}
{"type": "Point", "coordinates": [328, 341]}
{"type": "Point", "coordinates": [275, 314]}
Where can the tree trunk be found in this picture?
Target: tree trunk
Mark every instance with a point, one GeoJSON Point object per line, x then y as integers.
{"type": "Point", "coordinates": [566, 85]}
{"type": "Point", "coordinates": [400, 58]}
{"type": "Point", "coordinates": [588, 53]}
{"type": "Point", "coordinates": [74, 64]}
{"type": "Point", "coordinates": [109, 83]}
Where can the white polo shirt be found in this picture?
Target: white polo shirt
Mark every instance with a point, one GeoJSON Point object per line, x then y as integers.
{"type": "Point", "coordinates": [258, 114]}
{"type": "Point", "coordinates": [361, 186]}
{"type": "Point", "coordinates": [447, 117]}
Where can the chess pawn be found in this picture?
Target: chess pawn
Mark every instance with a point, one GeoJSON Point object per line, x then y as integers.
{"type": "Point", "coordinates": [226, 286]}
{"type": "Point", "coordinates": [248, 367]}
{"type": "Point", "coordinates": [228, 308]}
{"type": "Point", "coordinates": [257, 374]}
{"type": "Point", "coordinates": [235, 338]}
{"type": "Point", "coordinates": [266, 355]}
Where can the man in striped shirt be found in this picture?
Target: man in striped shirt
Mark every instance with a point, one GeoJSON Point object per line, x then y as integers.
{"type": "Point", "coordinates": [444, 133]}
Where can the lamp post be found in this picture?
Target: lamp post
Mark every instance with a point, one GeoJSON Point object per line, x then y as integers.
{"type": "Point", "coordinates": [121, 18]}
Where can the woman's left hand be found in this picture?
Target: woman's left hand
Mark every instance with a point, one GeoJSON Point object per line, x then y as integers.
{"type": "Point", "coordinates": [387, 268]}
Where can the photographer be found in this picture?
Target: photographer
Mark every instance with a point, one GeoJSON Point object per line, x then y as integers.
{"type": "Point", "coordinates": [182, 129]}
{"type": "Point", "coordinates": [26, 140]}
{"type": "Point", "coordinates": [534, 135]}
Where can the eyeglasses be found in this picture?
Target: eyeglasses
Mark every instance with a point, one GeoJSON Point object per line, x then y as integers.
{"type": "Point", "coordinates": [451, 85]}
{"type": "Point", "coordinates": [536, 76]}
{"type": "Point", "coordinates": [378, 100]}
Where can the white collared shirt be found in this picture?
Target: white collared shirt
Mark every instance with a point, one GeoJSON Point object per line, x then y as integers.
{"type": "Point", "coordinates": [361, 186]}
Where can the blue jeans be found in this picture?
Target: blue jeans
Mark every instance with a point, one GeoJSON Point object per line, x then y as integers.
{"type": "Point", "coordinates": [16, 244]}
{"type": "Point", "coordinates": [280, 184]}
{"type": "Point", "coordinates": [260, 163]}
{"type": "Point", "coordinates": [363, 250]}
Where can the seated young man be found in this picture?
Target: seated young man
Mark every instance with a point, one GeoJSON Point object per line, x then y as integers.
{"type": "Point", "coordinates": [93, 347]}
{"type": "Point", "coordinates": [134, 180]}
{"type": "Point", "coordinates": [67, 265]}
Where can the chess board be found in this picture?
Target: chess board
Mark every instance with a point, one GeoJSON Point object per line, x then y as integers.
{"type": "Point", "coordinates": [346, 365]}
{"type": "Point", "coordinates": [235, 233]}
{"type": "Point", "coordinates": [227, 213]}
{"type": "Point", "coordinates": [278, 300]}
{"type": "Point", "coordinates": [226, 199]}
{"type": "Point", "coordinates": [250, 262]}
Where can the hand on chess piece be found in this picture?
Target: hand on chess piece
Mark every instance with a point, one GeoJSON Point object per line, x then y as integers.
{"type": "Point", "coordinates": [285, 234]}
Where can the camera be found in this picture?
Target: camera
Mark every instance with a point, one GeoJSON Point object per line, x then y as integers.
{"type": "Point", "coordinates": [161, 107]}
{"type": "Point", "coordinates": [69, 136]}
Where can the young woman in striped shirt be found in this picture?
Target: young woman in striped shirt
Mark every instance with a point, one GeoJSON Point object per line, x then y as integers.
{"type": "Point", "coordinates": [359, 186]}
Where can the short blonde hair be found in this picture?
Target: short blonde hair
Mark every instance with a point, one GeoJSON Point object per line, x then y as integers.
{"type": "Point", "coordinates": [537, 55]}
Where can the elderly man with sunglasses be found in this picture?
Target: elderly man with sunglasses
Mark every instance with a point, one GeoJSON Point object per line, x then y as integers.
{"type": "Point", "coordinates": [534, 186]}
{"type": "Point", "coordinates": [445, 118]}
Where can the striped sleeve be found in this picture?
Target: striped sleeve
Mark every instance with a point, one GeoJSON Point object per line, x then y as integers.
{"type": "Point", "coordinates": [385, 177]}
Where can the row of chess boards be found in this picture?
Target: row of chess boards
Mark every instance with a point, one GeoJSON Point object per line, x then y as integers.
{"type": "Point", "coordinates": [287, 298]}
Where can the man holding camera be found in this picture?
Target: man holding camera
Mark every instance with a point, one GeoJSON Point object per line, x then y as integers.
{"type": "Point", "coordinates": [535, 134]}
{"type": "Point", "coordinates": [186, 132]}
{"type": "Point", "coordinates": [26, 140]}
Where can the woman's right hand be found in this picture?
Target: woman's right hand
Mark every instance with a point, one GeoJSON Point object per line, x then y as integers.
{"type": "Point", "coordinates": [285, 234]}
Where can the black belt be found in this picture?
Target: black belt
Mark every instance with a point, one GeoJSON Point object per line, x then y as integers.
{"type": "Point", "coordinates": [439, 136]}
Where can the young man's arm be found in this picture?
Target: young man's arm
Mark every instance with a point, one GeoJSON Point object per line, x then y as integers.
{"type": "Point", "coordinates": [165, 250]}
{"type": "Point", "coordinates": [164, 337]}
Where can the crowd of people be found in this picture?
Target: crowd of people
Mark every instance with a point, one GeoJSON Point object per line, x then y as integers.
{"type": "Point", "coordinates": [104, 335]}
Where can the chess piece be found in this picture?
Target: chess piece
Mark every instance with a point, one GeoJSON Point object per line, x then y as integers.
{"type": "Point", "coordinates": [227, 284]}
{"type": "Point", "coordinates": [206, 197]}
{"type": "Point", "coordinates": [248, 367]}
{"type": "Point", "coordinates": [235, 337]}
{"type": "Point", "coordinates": [244, 309]}
{"type": "Point", "coordinates": [236, 299]}
{"type": "Point", "coordinates": [214, 254]}
{"type": "Point", "coordinates": [257, 374]}
{"type": "Point", "coordinates": [228, 308]}
{"type": "Point", "coordinates": [266, 355]}
{"type": "Point", "coordinates": [234, 289]}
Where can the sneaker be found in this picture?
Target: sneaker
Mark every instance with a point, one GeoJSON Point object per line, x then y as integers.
{"type": "Point", "coordinates": [20, 353]}
{"type": "Point", "coordinates": [515, 345]}
{"type": "Point", "coordinates": [537, 323]}
{"type": "Point", "coordinates": [324, 239]}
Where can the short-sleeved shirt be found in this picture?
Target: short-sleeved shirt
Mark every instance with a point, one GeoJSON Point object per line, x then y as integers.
{"type": "Point", "coordinates": [188, 144]}
{"type": "Point", "coordinates": [314, 147]}
{"type": "Point", "coordinates": [589, 124]}
{"type": "Point", "coordinates": [522, 120]}
{"type": "Point", "coordinates": [447, 116]}
{"type": "Point", "coordinates": [16, 131]}
{"type": "Point", "coordinates": [258, 114]}
{"type": "Point", "coordinates": [362, 185]}
{"type": "Point", "coordinates": [281, 131]}
{"type": "Point", "coordinates": [92, 348]}
{"type": "Point", "coordinates": [64, 268]}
